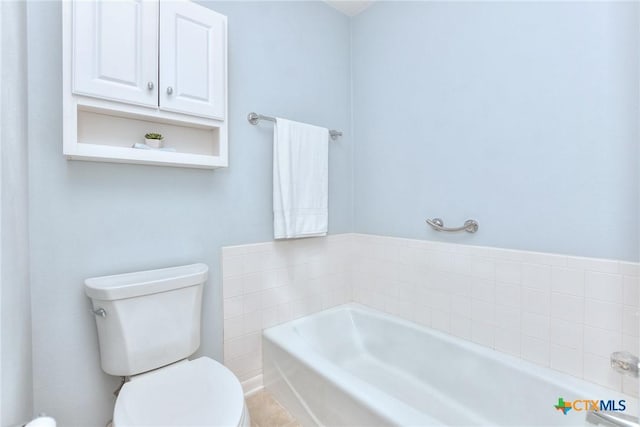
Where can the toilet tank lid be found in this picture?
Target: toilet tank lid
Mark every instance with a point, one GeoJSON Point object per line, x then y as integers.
{"type": "Point", "coordinates": [129, 285]}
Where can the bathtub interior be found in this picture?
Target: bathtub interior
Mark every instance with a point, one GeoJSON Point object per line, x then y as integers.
{"type": "Point", "coordinates": [443, 379]}
{"type": "Point", "coordinates": [309, 397]}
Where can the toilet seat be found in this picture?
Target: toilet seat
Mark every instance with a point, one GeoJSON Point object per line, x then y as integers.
{"type": "Point", "coordinates": [201, 392]}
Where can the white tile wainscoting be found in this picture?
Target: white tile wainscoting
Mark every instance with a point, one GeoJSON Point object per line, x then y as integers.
{"type": "Point", "coordinates": [269, 283]}
{"type": "Point", "coordinates": [566, 313]}
{"type": "Point", "coordinates": [563, 312]}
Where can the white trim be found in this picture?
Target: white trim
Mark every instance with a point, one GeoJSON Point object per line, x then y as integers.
{"type": "Point", "coordinates": [252, 385]}
{"type": "Point", "coordinates": [1, 210]}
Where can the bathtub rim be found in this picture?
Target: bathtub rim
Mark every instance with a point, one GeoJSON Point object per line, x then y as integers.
{"type": "Point", "coordinates": [395, 412]}
{"type": "Point", "coordinates": [287, 337]}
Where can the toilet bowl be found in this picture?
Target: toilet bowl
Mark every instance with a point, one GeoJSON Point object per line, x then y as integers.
{"type": "Point", "coordinates": [148, 326]}
{"type": "Point", "coordinates": [201, 392]}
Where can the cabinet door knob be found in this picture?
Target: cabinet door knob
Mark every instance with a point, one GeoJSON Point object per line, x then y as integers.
{"type": "Point", "coordinates": [150, 86]}
{"type": "Point", "coordinates": [169, 90]}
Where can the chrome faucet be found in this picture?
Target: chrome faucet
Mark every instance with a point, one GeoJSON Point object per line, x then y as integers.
{"type": "Point", "coordinates": [611, 419]}
{"type": "Point", "coordinates": [625, 363]}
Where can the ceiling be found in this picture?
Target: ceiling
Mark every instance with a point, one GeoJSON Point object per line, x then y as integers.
{"type": "Point", "coordinates": [350, 7]}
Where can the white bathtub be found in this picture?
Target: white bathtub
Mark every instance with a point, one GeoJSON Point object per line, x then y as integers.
{"type": "Point", "coordinates": [355, 366]}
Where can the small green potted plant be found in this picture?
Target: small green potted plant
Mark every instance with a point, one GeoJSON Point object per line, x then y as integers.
{"type": "Point", "coordinates": [154, 140]}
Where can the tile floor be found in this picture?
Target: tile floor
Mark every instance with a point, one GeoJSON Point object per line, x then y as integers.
{"type": "Point", "coordinates": [267, 412]}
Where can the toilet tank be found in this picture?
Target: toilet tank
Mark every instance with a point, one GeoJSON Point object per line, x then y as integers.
{"type": "Point", "coordinates": [147, 319]}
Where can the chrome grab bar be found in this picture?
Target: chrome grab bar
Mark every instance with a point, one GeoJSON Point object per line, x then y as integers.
{"type": "Point", "coordinates": [470, 226]}
{"type": "Point", "coordinates": [611, 419]}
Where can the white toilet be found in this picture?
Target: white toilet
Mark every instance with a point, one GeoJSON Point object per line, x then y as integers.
{"type": "Point", "coordinates": [148, 325]}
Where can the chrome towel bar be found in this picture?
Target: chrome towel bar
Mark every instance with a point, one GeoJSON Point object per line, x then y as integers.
{"type": "Point", "coordinates": [470, 226]}
{"type": "Point", "coordinates": [254, 118]}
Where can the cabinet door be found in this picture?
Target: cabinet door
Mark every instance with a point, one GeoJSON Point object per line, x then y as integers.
{"type": "Point", "coordinates": [192, 59]}
{"type": "Point", "coordinates": [115, 50]}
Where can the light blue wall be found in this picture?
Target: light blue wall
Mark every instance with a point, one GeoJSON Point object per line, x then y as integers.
{"type": "Point", "coordinates": [88, 219]}
{"type": "Point", "coordinates": [523, 115]}
{"type": "Point", "coordinates": [16, 392]}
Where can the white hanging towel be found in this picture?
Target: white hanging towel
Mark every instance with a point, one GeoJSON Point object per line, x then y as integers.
{"type": "Point", "coordinates": [300, 180]}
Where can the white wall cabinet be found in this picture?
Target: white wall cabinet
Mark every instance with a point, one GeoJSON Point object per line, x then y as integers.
{"type": "Point", "coordinates": [192, 46]}
{"type": "Point", "coordinates": [137, 66]}
{"type": "Point", "coordinates": [115, 50]}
